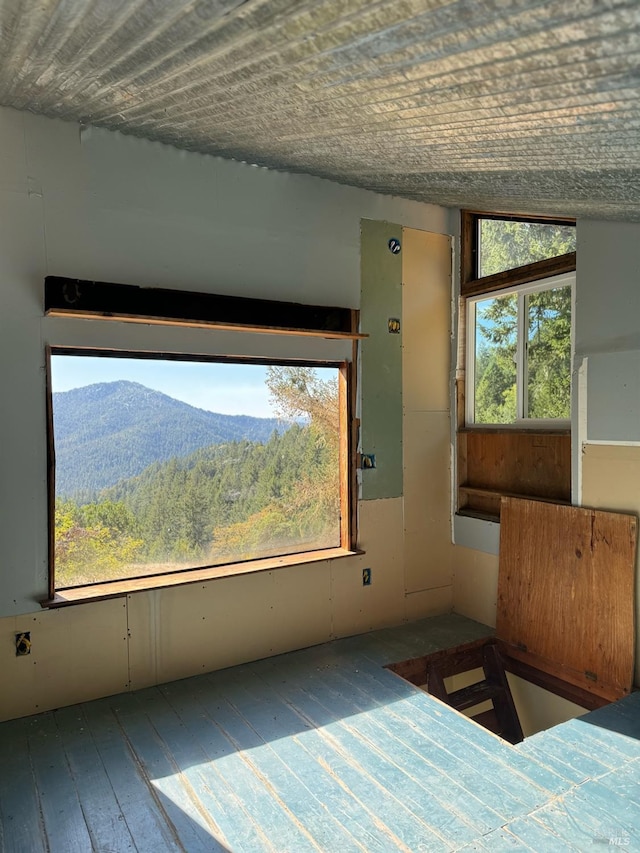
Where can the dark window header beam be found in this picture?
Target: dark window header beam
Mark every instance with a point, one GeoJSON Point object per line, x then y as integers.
{"type": "Point", "coordinates": [70, 297]}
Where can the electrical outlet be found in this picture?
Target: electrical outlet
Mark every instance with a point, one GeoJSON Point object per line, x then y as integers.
{"type": "Point", "coordinates": [23, 643]}
{"type": "Point", "coordinates": [366, 577]}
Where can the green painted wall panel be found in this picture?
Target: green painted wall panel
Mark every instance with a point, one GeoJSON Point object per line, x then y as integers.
{"type": "Point", "coordinates": [381, 360]}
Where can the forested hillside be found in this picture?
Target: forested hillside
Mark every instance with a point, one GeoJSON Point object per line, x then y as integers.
{"type": "Point", "coordinates": [547, 327]}
{"type": "Point", "coordinates": [113, 430]}
{"type": "Point", "coordinates": [222, 503]}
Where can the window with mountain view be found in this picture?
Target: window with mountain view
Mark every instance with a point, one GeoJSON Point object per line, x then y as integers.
{"type": "Point", "coordinates": [164, 465]}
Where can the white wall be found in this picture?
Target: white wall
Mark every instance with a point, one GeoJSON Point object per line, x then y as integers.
{"type": "Point", "coordinates": [98, 205]}
{"type": "Point", "coordinates": [608, 329]}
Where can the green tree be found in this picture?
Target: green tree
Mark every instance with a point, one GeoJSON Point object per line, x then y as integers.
{"type": "Point", "coordinates": [300, 392]}
{"type": "Point", "coordinates": [87, 549]}
{"type": "Point", "coordinates": [547, 376]}
{"type": "Point", "coordinates": [495, 366]}
{"type": "Point", "coordinates": [549, 354]}
{"type": "Point", "coordinates": [505, 245]}
{"type": "Point", "coordinates": [300, 482]}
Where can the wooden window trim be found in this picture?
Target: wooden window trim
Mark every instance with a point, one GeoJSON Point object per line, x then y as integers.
{"type": "Point", "coordinates": [475, 499]}
{"type": "Point", "coordinates": [471, 285]}
{"type": "Point", "coordinates": [521, 275]}
{"type": "Point", "coordinates": [119, 588]}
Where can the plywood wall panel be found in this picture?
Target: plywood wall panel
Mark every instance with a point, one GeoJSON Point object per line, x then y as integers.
{"type": "Point", "coordinates": [565, 592]}
{"type": "Point", "coordinates": [77, 653]}
{"type": "Point", "coordinates": [429, 602]}
{"type": "Point", "coordinates": [426, 356]}
{"type": "Point", "coordinates": [427, 472]}
{"type": "Point", "coordinates": [301, 597]}
{"type": "Point", "coordinates": [428, 558]}
{"type": "Point", "coordinates": [357, 608]}
{"type": "Point", "coordinates": [197, 628]}
{"type": "Point", "coordinates": [475, 584]}
{"type": "Point", "coordinates": [525, 463]}
{"type": "Point", "coordinates": [611, 480]}
{"type": "Point", "coordinates": [426, 320]}
{"type": "Point", "coordinates": [611, 477]}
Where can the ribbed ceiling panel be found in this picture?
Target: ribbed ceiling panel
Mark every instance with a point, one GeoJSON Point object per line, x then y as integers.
{"type": "Point", "coordinates": [516, 105]}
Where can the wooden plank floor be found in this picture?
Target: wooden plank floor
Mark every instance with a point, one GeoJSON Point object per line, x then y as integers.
{"type": "Point", "coordinates": [317, 750]}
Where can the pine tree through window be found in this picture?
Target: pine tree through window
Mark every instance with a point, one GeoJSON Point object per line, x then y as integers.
{"type": "Point", "coordinates": [165, 465]}
{"type": "Point", "coordinates": [520, 348]}
{"type": "Point", "coordinates": [513, 383]}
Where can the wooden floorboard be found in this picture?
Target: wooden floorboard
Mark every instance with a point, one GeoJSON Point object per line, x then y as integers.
{"type": "Point", "coordinates": [228, 787]}
{"type": "Point", "coordinates": [370, 749]}
{"type": "Point", "coordinates": [344, 779]}
{"type": "Point", "coordinates": [143, 814]}
{"type": "Point", "coordinates": [97, 798]}
{"type": "Point", "coordinates": [317, 751]}
{"type": "Point", "coordinates": [270, 792]}
{"type": "Point", "coordinates": [268, 731]}
{"type": "Point", "coordinates": [172, 791]}
{"type": "Point", "coordinates": [530, 833]}
{"type": "Point", "coordinates": [20, 815]}
{"type": "Point", "coordinates": [65, 828]}
{"type": "Point", "coordinates": [585, 765]}
{"type": "Point", "coordinates": [461, 735]}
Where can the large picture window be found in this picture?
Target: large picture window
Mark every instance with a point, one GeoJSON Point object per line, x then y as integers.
{"type": "Point", "coordinates": [164, 465]}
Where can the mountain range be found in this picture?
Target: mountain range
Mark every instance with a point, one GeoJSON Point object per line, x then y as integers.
{"type": "Point", "coordinates": [111, 431]}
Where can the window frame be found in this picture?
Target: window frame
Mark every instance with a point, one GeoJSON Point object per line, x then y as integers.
{"type": "Point", "coordinates": [472, 285]}
{"type": "Point", "coordinates": [347, 477]}
{"type": "Point", "coordinates": [523, 291]}
{"type": "Point", "coordinates": [485, 458]}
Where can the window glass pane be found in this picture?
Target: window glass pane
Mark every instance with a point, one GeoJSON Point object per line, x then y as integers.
{"type": "Point", "coordinates": [167, 465]}
{"type": "Point", "coordinates": [505, 245]}
{"type": "Point", "coordinates": [495, 360]}
{"type": "Point", "coordinates": [549, 353]}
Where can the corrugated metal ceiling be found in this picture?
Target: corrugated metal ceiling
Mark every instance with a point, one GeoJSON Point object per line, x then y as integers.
{"type": "Point", "coordinates": [498, 104]}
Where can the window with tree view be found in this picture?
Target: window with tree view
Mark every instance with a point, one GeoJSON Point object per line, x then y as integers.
{"type": "Point", "coordinates": [514, 381]}
{"type": "Point", "coordinates": [521, 345]}
{"type": "Point", "coordinates": [517, 276]}
{"type": "Point", "coordinates": [163, 465]}
{"type": "Point", "coordinates": [508, 244]}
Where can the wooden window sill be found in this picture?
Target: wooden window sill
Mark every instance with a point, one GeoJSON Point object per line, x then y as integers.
{"type": "Point", "coordinates": [501, 493]}
{"type": "Point", "coordinates": [489, 514]}
{"type": "Point", "coordinates": [118, 588]}
{"type": "Point", "coordinates": [468, 512]}
{"type": "Point", "coordinates": [534, 429]}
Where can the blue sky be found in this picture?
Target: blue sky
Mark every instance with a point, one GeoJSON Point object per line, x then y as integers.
{"type": "Point", "coordinates": [231, 389]}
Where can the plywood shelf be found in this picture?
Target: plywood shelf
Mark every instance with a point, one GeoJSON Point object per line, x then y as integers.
{"type": "Point", "coordinates": [470, 512]}
{"type": "Point", "coordinates": [512, 430]}
{"type": "Point", "coordinates": [511, 463]}
{"type": "Point", "coordinates": [501, 493]}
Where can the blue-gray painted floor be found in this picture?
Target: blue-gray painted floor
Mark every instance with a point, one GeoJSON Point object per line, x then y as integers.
{"type": "Point", "coordinates": [318, 750]}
